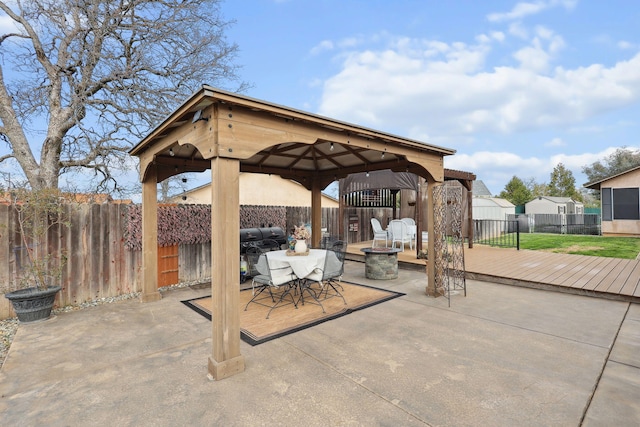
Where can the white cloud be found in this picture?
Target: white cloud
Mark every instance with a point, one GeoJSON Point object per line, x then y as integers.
{"type": "Point", "coordinates": [625, 45]}
{"type": "Point", "coordinates": [495, 169]}
{"type": "Point", "coordinates": [518, 30]}
{"type": "Point", "coordinates": [555, 142]}
{"type": "Point", "coordinates": [445, 89]}
{"type": "Point", "coordinates": [323, 46]}
{"type": "Point", "coordinates": [533, 58]}
{"type": "Point", "coordinates": [7, 25]}
{"type": "Point", "coordinates": [523, 9]}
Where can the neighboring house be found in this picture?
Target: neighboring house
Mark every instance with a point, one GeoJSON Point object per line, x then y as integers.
{"type": "Point", "coordinates": [553, 205]}
{"type": "Point", "coordinates": [260, 190]}
{"type": "Point", "coordinates": [492, 208]}
{"type": "Point", "coordinates": [620, 202]}
{"type": "Point", "coordinates": [480, 189]}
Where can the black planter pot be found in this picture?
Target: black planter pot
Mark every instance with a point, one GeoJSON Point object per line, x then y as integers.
{"type": "Point", "coordinates": [32, 304]}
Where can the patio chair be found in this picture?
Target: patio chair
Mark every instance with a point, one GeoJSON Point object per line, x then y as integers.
{"type": "Point", "coordinates": [378, 233]}
{"type": "Point", "coordinates": [329, 277]}
{"type": "Point", "coordinates": [278, 285]}
{"type": "Point", "coordinates": [412, 229]}
{"type": "Point", "coordinates": [400, 234]}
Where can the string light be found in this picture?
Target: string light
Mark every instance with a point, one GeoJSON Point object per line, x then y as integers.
{"type": "Point", "coordinates": [171, 153]}
{"type": "Point", "coordinates": [331, 147]}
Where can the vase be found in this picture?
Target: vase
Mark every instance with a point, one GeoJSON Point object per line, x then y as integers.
{"type": "Point", "coordinates": [33, 304]}
{"type": "Point", "coordinates": [301, 246]}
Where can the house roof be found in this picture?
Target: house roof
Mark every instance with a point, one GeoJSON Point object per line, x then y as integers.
{"type": "Point", "coordinates": [558, 200]}
{"type": "Point", "coordinates": [595, 185]}
{"type": "Point", "coordinates": [208, 185]}
{"type": "Point", "coordinates": [503, 203]}
{"type": "Point", "coordinates": [480, 189]}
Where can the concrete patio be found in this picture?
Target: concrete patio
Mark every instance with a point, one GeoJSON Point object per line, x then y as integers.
{"type": "Point", "coordinates": [502, 356]}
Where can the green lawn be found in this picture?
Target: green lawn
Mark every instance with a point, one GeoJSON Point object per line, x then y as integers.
{"type": "Point", "coordinates": [613, 247]}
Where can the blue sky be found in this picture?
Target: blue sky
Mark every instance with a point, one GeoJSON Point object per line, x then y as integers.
{"type": "Point", "coordinates": [514, 87]}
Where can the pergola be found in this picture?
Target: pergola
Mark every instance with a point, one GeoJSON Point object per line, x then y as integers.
{"type": "Point", "coordinates": [230, 133]}
{"type": "Point", "coordinates": [386, 179]}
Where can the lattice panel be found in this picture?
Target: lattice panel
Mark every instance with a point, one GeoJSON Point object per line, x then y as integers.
{"type": "Point", "coordinates": [440, 215]}
{"type": "Point", "coordinates": [449, 244]}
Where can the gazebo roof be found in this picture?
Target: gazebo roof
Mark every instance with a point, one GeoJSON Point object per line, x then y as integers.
{"type": "Point", "coordinates": [271, 138]}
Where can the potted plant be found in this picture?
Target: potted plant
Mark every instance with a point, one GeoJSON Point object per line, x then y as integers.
{"type": "Point", "coordinates": [301, 234]}
{"type": "Point", "coordinates": [32, 293]}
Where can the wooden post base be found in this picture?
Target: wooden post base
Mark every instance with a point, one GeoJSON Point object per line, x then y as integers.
{"type": "Point", "coordinates": [226, 368]}
{"type": "Point", "coordinates": [152, 297]}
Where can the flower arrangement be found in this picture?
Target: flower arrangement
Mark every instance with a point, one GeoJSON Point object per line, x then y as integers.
{"type": "Point", "coordinates": [301, 233]}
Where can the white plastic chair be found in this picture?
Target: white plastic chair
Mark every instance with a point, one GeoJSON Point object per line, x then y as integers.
{"type": "Point", "coordinates": [378, 233]}
{"type": "Point", "coordinates": [412, 230]}
{"type": "Point", "coordinates": [400, 234]}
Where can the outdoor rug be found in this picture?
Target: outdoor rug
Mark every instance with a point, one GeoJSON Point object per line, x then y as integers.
{"type": "Point", "coordinates": [256, 329]}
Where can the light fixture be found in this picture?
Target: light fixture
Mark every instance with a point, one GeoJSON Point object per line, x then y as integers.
{"type": "Point", "coordinates": [331, 147]}
{"type": "Point", "coordinates": [171, 153]}
{"type": "Point", "coordinates": [382, 155]}
{"type": "Point", "coordinates": [198, 116]}
{"type": "Point", "coordinates": [367, 174]}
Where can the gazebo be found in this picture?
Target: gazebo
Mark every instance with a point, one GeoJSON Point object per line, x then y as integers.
{"type": "Point", "coordinates": [395, 181]}
{"type": "Point", "coordinates": [230, 133]}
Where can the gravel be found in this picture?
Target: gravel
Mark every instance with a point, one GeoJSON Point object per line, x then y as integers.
{"type": "Point", "coordinates": [9, 327]}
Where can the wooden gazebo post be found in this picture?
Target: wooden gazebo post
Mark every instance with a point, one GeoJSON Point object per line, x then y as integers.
{"type": "Point", "coordinates": [150, 291]}
{"type": "Point", "coordinates": [225, 359]}
{"type": "Point", "coordinates": [316, 214]}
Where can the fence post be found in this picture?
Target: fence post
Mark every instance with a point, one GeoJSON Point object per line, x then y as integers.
{"type": "Point", "coordinates": [517, 235]}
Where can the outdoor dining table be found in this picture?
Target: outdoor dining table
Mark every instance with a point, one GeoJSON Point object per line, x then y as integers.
{"type": "Point", "coordinates": [282, 263]}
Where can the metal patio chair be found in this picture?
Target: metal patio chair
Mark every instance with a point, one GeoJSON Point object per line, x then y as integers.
{"type": "Point", "coordinates": [278, 286]}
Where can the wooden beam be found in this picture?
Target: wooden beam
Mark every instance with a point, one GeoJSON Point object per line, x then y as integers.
{"type": "Point", "coordinates": [225, 359]}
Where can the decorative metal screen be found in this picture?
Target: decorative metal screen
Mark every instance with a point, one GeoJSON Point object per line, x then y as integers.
{"type": "Point", "coordinates": [449, 243]}
{"type": "Point", "coordinates": [378, 198]}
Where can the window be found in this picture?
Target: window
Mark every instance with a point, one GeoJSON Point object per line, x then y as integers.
{"type": "Point", "coordinates": [606, 199]}
{"type": "Point", "coordinates": [626, 203]}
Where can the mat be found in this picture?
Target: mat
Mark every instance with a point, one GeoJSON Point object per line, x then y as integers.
{"type": "Point", "coordinates": [256, 329]}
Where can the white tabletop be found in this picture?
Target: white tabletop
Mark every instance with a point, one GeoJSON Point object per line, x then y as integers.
{"type": "Point", "coordinates": [302, 265]}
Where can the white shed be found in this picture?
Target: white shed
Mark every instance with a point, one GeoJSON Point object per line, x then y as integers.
{"type": "Point", "coordinates": [492, 208]}
{"type": "Point", "coordinates": [553, 205]}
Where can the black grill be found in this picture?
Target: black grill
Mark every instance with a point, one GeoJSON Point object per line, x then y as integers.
{"type": "Point", "coordinates": [257, 237]}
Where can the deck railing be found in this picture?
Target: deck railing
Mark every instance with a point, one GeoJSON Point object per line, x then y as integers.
{"type": "Point", "coordinates": [493, 232]}
{"type": "Point", "coordinates": [586, 224]}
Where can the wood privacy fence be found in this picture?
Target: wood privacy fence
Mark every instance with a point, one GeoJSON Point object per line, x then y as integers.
{"type": "Point", "coordinates": [100, 266]}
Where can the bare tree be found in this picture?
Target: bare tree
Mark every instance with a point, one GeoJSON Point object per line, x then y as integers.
{"type": "Point", "coordinates": [81, 80]}
{"type": "Point", "coordinates": [622, 159]}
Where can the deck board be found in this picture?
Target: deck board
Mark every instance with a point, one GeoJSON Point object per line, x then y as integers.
{"type": "Point", "coordinates": [588, 275]}
{"type": "Point", "coordinates": [625, 275]}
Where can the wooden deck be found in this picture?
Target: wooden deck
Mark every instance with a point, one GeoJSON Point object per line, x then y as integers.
{"type": "Point", "coordinates": [611, 278]}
